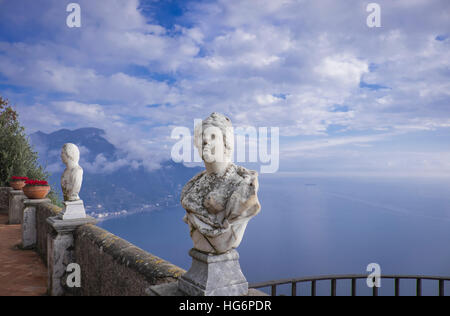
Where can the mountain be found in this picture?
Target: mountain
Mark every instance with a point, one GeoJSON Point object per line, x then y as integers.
{"type": "Point", "coordinates": [90, 138]}
{"type": "Point", "coordinates": [120, 190]}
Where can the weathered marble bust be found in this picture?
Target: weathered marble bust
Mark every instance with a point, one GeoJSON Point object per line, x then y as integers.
{"type": "Point", "coordinates": [221, 200]}
{"type": "Point", "coordinates": [72, 177]}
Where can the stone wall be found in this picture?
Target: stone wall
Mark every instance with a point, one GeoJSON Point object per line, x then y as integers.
{"type": "Point", "coordinates": [44, 211]}
{"type": "Point", "coordinates": [109, 265]}
{"type": "Point", "coordinates": [113, 266]}
{"type": "Point", "coordinates": [4, 199]}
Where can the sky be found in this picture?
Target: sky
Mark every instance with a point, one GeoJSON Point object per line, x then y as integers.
{"type": "Point", "coordinates": [348, 99]}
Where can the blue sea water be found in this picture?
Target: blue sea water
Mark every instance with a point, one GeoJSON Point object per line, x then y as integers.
{"type": "Point", "coordinates": [324, 226]}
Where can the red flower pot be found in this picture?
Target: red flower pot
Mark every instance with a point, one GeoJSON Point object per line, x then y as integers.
{"type": "Point", "coordinates": [36, 191]}
{"type": "Point", "coordinates": [17, 185]}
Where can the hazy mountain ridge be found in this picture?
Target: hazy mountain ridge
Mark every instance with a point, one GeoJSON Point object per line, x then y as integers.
{"type": "Point", "coordinates": [123, 188]}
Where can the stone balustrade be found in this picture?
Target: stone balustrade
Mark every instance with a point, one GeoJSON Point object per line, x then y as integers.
{"type": "Point", "coordinates": [114, 266]}
{"type": "Point", "coordinates": [109, 265]}
{"type": "Point", "coordinates": [69, 243]}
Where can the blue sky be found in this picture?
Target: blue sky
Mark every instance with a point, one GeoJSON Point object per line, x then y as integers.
{"type": "Point", "coordinates": [348, 99]}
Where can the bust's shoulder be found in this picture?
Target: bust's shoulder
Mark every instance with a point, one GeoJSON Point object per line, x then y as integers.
{"type": "Point", "coordinates": [73, 168]}
{"type": "Point", "coordinates": [198, 176]}
{"type": "Point", "coordinates": [76, 171]}
{"type": "Point", "coordinates": [247, 183]}
{"type": "Point", "coordinates": [191, 182]}
{"type": "Point", "coordinates": [247, 175]}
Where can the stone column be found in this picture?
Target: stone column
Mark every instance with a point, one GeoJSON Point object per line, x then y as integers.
{"type": "Point", "coordinates": [16, 205]}
{"type": "Point", "coordinates": [29, 230]}
{"type": "Point", "coordinates": [214, 275]}
{"type": "Point", "coordinates": [60, 251]}
{"type": "Point", "coordinates": [209, 275]}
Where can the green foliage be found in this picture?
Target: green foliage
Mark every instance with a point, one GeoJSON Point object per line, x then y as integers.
{"type": "Point", "coordinates": [17, 158]}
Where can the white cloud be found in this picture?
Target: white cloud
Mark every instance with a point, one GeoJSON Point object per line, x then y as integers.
{"type": "Point", "coordinates": [299, 147]}
{"type": "Point", "coordinates": [342, 70]}
{"type": "Point", "coordinates": [274, 63]}
{"type": "Point", "coordinates": [102, 165]}
{"type": "Point", "coordinates": [90, 111]}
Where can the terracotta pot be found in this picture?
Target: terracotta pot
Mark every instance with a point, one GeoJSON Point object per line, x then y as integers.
{"type": "Point", "coordinates": [17, 185]}
{"type": "Point", "coordinates": [36, 191]}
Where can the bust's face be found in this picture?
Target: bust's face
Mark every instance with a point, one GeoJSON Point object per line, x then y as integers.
{"type": "Point", "coordinates": [213, 147]}
{"type": "Point", "coordinates": [64, 157]}
{"type": "Point", "coordinates": [70, 154]}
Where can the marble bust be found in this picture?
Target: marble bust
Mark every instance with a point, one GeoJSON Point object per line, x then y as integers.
{"type": "Point", "coordinates": [72, 177]}
{"type": "Point", "coordinates": [221, 200]}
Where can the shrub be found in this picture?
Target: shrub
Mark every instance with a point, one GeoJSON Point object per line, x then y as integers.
{"type": "Point", "coordinates": [17, 157]}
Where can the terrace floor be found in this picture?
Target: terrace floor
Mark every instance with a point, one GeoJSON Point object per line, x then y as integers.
{"type": "Point", "coordinates": [22, 272]}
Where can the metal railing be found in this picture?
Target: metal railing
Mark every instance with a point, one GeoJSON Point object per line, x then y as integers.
{"type": "Point", "coordinates": [353, 277]}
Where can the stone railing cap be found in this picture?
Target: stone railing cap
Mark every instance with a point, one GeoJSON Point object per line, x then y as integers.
{"type": "Point", "coordinates": [35, 201]}
{"type": "Point", "coordinates": [208, 258]}
{"type": "Point", "coordinates": [16, 192]}
{"type": "Point", "coordinates": [69, 225]}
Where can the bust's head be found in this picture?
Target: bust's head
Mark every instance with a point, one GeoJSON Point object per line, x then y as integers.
{"type": "Point", "coordinates": [70, 154]}
{"type": "Point", "coordinates": [214, 138]}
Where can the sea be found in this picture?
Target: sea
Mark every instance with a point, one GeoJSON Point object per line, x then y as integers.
{"type": "Point", "coordinates": [324, 225]}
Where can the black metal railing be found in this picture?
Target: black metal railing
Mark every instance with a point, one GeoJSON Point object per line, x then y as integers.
{"type": "Point", "coordinates": [353, 277]}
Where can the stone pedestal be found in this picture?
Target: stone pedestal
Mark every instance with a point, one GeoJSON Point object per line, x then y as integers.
{"type": "Point", "coordinates": [15, 208]}
{"type": "Point", "coordinates": [214, 275]}
{"type": "Point", "coordinates": [73, 210]}
{"type": "Point", "coordinates": [29, 233]}
{"type": "Point", "coordinates": [60, 250]}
